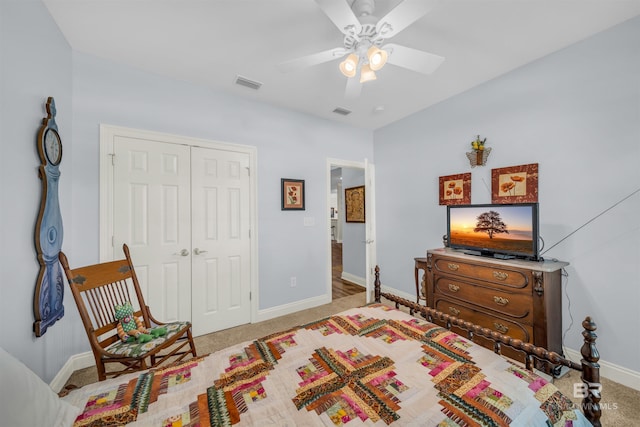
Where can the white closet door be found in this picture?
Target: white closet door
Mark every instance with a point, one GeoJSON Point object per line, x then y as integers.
{"type": "Point", "coordinates": [220, 192]}
{"type": "Point", "coordinates": [151, 205]}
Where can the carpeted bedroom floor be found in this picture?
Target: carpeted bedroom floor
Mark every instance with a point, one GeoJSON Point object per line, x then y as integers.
{"type": "Point", "coordinates": [620, 404]}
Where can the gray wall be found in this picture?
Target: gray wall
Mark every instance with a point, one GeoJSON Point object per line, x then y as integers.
{"type": "Point", "coordinates": [577, 114]}
{"type": "Point", "coordinates": [37, 63]}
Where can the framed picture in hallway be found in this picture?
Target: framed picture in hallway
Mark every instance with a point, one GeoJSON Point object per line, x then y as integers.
{"type": "Point", "coordinates": [354, 204]}
{"type": "Point", "coordinates": [292, 191]}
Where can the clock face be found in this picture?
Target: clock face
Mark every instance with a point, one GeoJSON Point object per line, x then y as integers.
{"type": "Point", "coordinates": [52, 146]}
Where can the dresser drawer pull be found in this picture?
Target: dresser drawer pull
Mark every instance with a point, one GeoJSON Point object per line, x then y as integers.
{"type": "Point", "coordinates": [453, 267]}
{"type": "Point", "coordinates": [454, 311]}
{"type": "Point", "coordinates": [454, 288]}
{"type": "Point", "coordinates": [500, 300]}
{"type": "Point", "coordinates": [500, 275]}
{"type": "Point", "coordinates": [500, 327]}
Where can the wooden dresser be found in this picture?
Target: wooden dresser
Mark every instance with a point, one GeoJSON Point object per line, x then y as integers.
{"type": "Point", "coordinates": [522, 299]}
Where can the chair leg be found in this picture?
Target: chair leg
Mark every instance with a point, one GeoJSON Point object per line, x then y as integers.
{"type": "Point", "coordinates": [101, 370]}
{"type": "Point", "coordinates": [192, 344]}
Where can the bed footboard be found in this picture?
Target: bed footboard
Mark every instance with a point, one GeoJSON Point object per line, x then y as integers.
{"type": "Point", "coordinates": [588, 366]}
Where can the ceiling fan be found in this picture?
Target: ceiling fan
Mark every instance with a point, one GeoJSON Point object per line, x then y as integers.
{"type": "Point", "coordinates": [364, 35]}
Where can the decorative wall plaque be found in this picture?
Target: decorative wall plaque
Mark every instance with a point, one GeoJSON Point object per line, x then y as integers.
{"type": "Point", "coordinates": [47, 302]}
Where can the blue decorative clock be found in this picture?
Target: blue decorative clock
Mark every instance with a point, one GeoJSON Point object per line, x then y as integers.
{"type": "Point", "coordinates": [47, 303]}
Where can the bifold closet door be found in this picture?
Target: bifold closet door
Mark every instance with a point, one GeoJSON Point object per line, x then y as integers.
{"type": "Point", "coordinates": [184, 211]}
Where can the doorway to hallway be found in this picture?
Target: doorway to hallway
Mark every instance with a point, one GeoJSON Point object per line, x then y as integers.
{"type": "Point", "coordinates": [349, 243]}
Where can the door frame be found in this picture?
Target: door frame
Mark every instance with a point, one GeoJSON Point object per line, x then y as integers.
{"type": "Point", "coordinates": [370, 221]}
{"type": "Point", "coordinates": [107, 135]}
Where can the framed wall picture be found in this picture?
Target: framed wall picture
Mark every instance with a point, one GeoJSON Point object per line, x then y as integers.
{"type": "Point", "coordinates": [354, 204]}
{"type": "Point", "coordinates": [455, 189]}
{"type": "Point", "coordinates": [292, 194]}
{"type": "Point", "coordinates": [515, 184]}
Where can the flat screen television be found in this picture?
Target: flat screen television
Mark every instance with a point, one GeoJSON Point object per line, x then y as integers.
{"type": "Point", "coordinates": [501, 231]}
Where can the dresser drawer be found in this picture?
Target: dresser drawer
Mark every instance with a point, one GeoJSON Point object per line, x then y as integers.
{"type": "Point", "coordinates": [517, 305]}
{"type": "Point", "coordinates": [507, 327]}
{"type": "Point", "coordinates": [499, 275]}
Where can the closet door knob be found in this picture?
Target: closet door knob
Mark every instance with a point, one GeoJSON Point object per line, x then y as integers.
{"type": "Point", "coordinates": [183, 252]}
{"type": "Point", "coordinates": [198, 251]}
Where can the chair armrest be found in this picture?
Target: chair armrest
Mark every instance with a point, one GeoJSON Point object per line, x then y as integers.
{"type": "Point", "coordinates": [153, 320]}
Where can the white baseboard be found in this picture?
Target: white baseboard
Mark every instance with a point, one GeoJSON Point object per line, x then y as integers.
{"type": "Point", "coordinates": [74, 363]}
{"type": "Point", "coordinates": [611, 371]}
{"type": "Point", "coordinates": [405, 295]}
{"type": "Point", "coordinates": [352, 278]}
{"type": "Point", "coordinates": [293, 307]}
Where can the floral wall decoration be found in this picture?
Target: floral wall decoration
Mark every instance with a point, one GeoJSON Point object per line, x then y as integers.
{"type": "Point", "coordinates": [515, 184]}
{"type": "Point", "coordinates": [480, 153]}
{"type": "Point", "coordinates": [292, 194]}
{"type": "Point", "coordinates": [455, 189]}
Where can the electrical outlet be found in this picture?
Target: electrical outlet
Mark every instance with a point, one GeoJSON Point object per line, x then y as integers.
{"type": "Point", "coordinates": [293, 282]}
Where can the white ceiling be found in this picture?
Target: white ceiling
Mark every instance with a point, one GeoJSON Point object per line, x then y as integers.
{"type": "Point", "coordinates": [210, 42]}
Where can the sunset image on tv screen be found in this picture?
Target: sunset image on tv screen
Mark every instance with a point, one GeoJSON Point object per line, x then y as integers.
{"type": "Point", "coordinates": [494, 228]}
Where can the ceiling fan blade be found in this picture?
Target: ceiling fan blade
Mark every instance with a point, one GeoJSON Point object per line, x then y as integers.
{"type": "Point", "coordinates": [313, 59]}
{"type": "Point", "coordinates": [341, 14]}
{"type": "Point", "coordinates": [412, 59]}
{"type": "Point", "coordinates": [353, 89]}
{"type": "Point", "coordinates": [403, 15]}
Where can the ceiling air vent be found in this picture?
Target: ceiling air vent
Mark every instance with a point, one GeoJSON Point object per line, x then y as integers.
{"type": "Point", "coordinates": [342, 111]}
{"type": "Point", "coordinates": [252, 84]}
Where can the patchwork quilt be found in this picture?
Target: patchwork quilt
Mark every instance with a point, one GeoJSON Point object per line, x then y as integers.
{"type": "Point", "coordinates": [371, 365]}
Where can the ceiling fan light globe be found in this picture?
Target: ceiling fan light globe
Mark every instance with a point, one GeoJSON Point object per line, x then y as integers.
{"type": "Point", "coordinates": [349, 66]}
{"type": "Point", "coordinates": [377, 58]}
{"type": "Point", "coordinates": [367, 74]}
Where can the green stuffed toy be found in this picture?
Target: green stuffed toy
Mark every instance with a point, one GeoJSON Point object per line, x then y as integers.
{"type": "Point", "coordinates": [131, 328]}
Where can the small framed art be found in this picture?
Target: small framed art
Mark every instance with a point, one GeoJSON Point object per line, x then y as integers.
{"type": "Point", "coordinates": [354, 204]}
{"type": "Point", "coordinates": [515, 184]}
{"type": "Point", "coordinates": [455, 189]}
{"type": "Point", "coordinates": [292, 194]}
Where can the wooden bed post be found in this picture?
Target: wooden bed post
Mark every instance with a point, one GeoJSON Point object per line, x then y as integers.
{"type": "Point", "coordinates": [376, 285]}
{"type": "Point", "coordinates": [591, 373]}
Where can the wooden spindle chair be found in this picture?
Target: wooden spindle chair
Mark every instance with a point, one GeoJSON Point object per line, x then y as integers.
{"type": "Point", "coordinates": [97, 290]}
